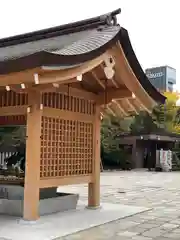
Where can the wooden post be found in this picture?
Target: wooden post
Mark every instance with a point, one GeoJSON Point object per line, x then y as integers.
{"type": "Point", "coordinates": [33, 146]}
{"type": "Point", "coordinates": [94, 187]}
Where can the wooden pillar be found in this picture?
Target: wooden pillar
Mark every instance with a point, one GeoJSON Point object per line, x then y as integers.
{"type": "Point", "coordinates": [33, 147]}
{"type": "Point", "coordinates": [94, 187]}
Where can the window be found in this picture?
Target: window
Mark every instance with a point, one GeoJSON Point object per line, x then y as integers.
{"type": "Point", "coordinates": [170, 86]}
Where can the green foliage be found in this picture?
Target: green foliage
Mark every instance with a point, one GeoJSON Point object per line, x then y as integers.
{"type": "Point", "coordinates": [109, 129]}
{"type": "Point", "coordinates": [172, 113]}
{"type": "Point", "coordinates": [163, 118]}
{"type": "Point", "coordinates": [10, 135]}
{"type": "Point", "coordinates": [111, 154]}
{"type": "Point", "coordinates": [143, 123]}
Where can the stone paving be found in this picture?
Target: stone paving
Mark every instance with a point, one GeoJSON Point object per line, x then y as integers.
{"type": "Point", "coordinates": [158, 191]}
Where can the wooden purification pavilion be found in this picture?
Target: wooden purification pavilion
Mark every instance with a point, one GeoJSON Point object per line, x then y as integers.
{"type": "Point", "coordinates": [58, 82]}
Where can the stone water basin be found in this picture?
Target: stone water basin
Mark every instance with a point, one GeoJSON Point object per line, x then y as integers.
{"type": "Point", "coordinates": [51, 201]}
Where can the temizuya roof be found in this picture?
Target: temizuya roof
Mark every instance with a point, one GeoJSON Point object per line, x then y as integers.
{"type": "Point", "coordinates": [71, 45]}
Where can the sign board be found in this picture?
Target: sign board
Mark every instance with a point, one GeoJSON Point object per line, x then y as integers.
{"type": "Point", "coordinates": [155, 75]}
{"type": "Point", "coordinates": [166, 160]}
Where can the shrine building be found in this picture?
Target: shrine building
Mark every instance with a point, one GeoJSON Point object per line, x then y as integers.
{"type": "Point", "coordinates": [59, 82]}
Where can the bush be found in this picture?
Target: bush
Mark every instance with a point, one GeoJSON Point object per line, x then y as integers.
{"type": "Point", "coordinates": [116, 158]}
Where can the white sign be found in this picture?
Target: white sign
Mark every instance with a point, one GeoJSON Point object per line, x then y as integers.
{"type": "Point", "coordinates": [155, 75]}
{"type": "Point", "coordinates": [166, 160]}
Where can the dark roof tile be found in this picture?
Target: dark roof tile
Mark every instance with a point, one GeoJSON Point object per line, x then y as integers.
{"type": "Point", "coordinates": [71, 44]}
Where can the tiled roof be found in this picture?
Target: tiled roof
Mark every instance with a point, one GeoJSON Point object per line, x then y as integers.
{"type": "Point", "coordinates": [69, 45]}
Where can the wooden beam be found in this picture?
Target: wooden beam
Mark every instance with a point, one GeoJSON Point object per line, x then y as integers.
{"type": "Point", "coordinates": [98, 80]}
{"type": "Point", "coordinates": [110, 110]}
{"type": "Point", "coordinates": [39, 87]}
{"type": "Point", "coordinates": [138, 105]}
{"type": "Point", "coordinates": [120, 108]}
{"type": "Point", "coordinates": [67, 74]}
{"type": "Point", "coordinates": [13, 110]}
{"type": "Point", "coordinates": [76, 92]}
{"type": "Point", "coordinates": [67, 115]}
{"type": "Point", "coordinates": [27, 76]}
{"type": "Point", "coordinates": [94, 186]}
{"type": "Point", "coordinates": [114, 83]}
{"type": "Point", "coordinates": [33, 152]}
{"type": "Point", "coordinates": [46, 183]}
{"type": "Point", "coordinates": [69, 81]}
{"type": "Point", "coordinates": [18, 90]}
{"type": "Point", "coordinates": [131, 106]}
{"type": "Point", "coordinates": [113, 94]}
{"type": "Point", "coordinates": [81, 93]}
{"type": "Point", "coordinates": [129, 79]}
{"type": "Point", "coordinates": [116, 110]}
{"type": "Point", "coordinates": [19, 77]}
{"type": "Point", "coordinates": [120, 94]}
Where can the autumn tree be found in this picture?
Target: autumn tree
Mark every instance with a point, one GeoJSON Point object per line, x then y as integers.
{"type": "Point", "coordinates": [163, 118]}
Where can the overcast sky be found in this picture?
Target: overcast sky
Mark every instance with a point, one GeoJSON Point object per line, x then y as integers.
{"type": "Point", "coordinates": [152, 24]}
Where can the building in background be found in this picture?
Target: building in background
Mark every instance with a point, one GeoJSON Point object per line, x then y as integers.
{"type": "Point", "coordinates": [163, 78]}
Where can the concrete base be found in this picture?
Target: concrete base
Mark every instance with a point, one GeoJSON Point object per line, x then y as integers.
{"type": "Point", "coordinates": [93, 208]}
{"type": "Point", "coordinates": [11, 202]}
{"type": "Point", "coordinates": [13, 192]}
{"type": "Point", "coordinates": [57, 225]}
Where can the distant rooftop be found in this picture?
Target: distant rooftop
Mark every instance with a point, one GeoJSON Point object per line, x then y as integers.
{"type": "Point", "coordinates": [163, 66]}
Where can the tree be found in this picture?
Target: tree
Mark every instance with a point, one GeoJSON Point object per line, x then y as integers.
{"type": "Point", "coordinates": [163, 118]}
{"type": "Point", "coordinates": [10, 135]}
{"type": "Point", "coordinates": [166, 115]}
{"type": "Point", "coordinates": [111, 153]}
{"type": "Point", "coordinates": [109, 129]}
{"type": "Point", "coordinates": [143, 124]}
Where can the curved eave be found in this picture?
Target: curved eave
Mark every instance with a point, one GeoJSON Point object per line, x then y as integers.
{"type": "Point", "coordinates": [125, 72]}
{"type": "Point", "coordinates": [77, 53]}
{"type": "Point", "coordinates": [137, 69]}
{"type": "Point", "coordinates": [103, 40]}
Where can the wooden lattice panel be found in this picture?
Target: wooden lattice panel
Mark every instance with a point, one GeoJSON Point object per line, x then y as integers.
{"type": "Point", "coordinates": [10, 98]}
{"type": "Point", "coordinates": [69, 103]}
{"type": "Point", "coordinates": [13, 120]}
{"type": "Point", "coordinates": [66, 148]}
